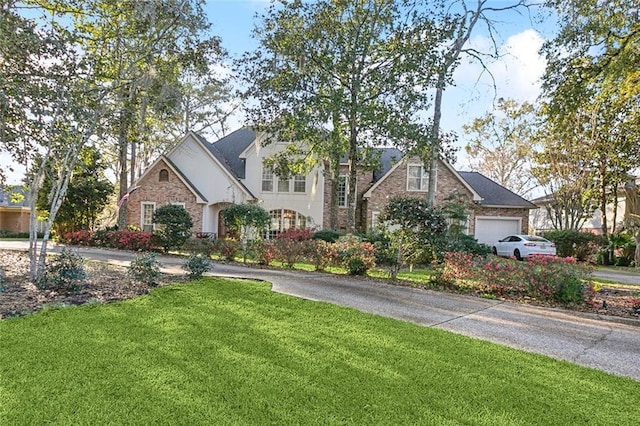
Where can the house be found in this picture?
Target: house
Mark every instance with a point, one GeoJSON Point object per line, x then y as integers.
{"type": "Point", "coordinates": [14, 210]}
{"type": "Point", "coordinates": [206, 177]}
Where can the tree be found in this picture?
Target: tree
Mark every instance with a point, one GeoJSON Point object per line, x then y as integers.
{"type": "Point", "coordinates": [420, 229]}
{"type": "Point", "coordinates": [462, 19]}
{"type": "Point", "coordinates": [249, 221]}
{"type": "Point", "coordinates": [48, 133]}
{"type": "Point", "coordinates": [142, 49]}
{"type": "Point", "coordinates": [360, 68]}
{"type": "Point", "coordinates": [589, 78]}
{"type": "Point", "coordinates": [502, 145]}
{"type": "Point", "coordinates": [87, 194]}
{"type": "Point", "coordinates": [175, 226]}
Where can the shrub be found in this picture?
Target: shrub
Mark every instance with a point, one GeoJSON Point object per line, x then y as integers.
{"type": "Point", "coordinates": [572, 243]}
{"type": "Point", "coordinates": [196, 265]}
{"type": "Point", "coordinates": [354, 255]}
{"type": "Point", "coordinates": [289, 251]}
{"type": "Point", "coordinates": [540, 277]}
{"type": "Point", "coordinates": [467, 244]}
{"type": "Point", "coordinates": [175, 226]}
{"type": "Point", "coordinates": [196, 245]}
{"type": "Point", "coordinates": [326, 235]}
{"type": "Point", "coordinates": [145, 267]}
{"type": "Point", "coordinates": [321, 254]}
{"type": "Point", "coordinates": [65, 272]}
{"type": "Point", "coordinates": [265, 252]}
{"type": "Point", "coordinates": [227, 248]}
{"type": "Point", "coordinates": [77, 238]}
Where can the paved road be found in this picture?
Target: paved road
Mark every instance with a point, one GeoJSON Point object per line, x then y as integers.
{"type": "Point", "coordinates": [604, 343]}
{"type": "Point", "coordinates": [624, 277]}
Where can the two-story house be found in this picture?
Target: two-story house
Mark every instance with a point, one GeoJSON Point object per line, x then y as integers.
{"type": "Point", "coordinates": [206, 177]}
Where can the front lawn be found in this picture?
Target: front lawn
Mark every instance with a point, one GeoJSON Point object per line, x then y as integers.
{"type": "Point", "coordinates": [232, 352]}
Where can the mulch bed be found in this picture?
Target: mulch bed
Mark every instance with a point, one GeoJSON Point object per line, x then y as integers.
{"type": "Point", "coordinates": [105, 283]}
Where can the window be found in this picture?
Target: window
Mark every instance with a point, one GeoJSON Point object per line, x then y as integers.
{"type": "Point", "coordinates": [267, 179]}
{"type": "Point", "coordinates": [281, 220]}
{"type": "Point", "coordinates": [183, 205]}
{"type": "Point", "coordinates": [342, 191]}
{"type": "Point", "coordinates": [300, 183]}
{"type": "Point", "coordinates": [163, 176]}
{"type": "Point", "coordinates": [284, 185]}
{"type": "Point", "coordinates": [417, 178]}
{"type": "Point", "coordinates": [147, 216]}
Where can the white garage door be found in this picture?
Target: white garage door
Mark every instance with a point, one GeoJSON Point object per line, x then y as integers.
{"type": "Point", "coordinates": [491, 229]}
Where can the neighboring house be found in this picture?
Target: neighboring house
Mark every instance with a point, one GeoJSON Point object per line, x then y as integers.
{"type": "Point", "coordinates": [541, 222]}
{"type": "Point", "coordinates": [14, 211]}
{"type": "Point", "coordinates": [206, 177]}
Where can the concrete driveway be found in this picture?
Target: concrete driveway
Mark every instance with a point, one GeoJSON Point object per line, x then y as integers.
{"type": "Point", "coordinates": [605, 343]}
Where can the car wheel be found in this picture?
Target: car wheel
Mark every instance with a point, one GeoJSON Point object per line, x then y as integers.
{"type": "Point", "coordinates": [495, 251]}
{"type": "Point", "coordinates": [517, 255]}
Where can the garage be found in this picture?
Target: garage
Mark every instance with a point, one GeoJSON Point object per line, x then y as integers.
{"type": "Point", "coordinates": [491, 229]}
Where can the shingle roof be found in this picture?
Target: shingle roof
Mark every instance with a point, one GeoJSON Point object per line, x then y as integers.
{"type": "Point", "coordinates": [228, 149]}
{"type": "Point", "coordinates": [494, 194]}
{"type": "Point", "coordinates": [388, 158]}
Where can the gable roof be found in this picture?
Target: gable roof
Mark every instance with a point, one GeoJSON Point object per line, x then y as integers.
{"type": "Point", "coordinates": [389, 157]}
{"type": "Point", "coordinates": [223, 156]}
{"type": "Point", "coordinates": [199, 197]}
{"type": "Point", "coordinates": [476, 196]}
{"type": "Point", "coordinates": [494, 194]}
{"type": "Point", "coordinates": [228, 149]}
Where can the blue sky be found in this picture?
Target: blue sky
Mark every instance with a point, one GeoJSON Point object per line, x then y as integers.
{"type": "Point", "coordinates": [516, 74]}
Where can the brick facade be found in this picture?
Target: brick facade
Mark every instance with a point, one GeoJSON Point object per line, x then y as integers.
{"type": "Point", "coordinates": [395, 184]}
{"type": "Point", "coordinates": [364, 181]}
{"type": "Point", "coordinates": [162, 192]}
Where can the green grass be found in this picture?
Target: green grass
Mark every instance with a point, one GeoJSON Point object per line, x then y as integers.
{"type": "Point", "coordinates": [232, 352]}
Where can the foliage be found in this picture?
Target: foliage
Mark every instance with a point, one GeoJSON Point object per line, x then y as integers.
{"type": "Point", "coordinates": [291, 246]}
{"type": "Point", "coordinates": [65, 272]}
{"type": "Point", "coordinates": [145, 267]}
{"type": "Point", "coordinates": [387, 251]}
{"type": "Point", "coordinates": [175, 226]}
{"type": "Point", "coordinates": [326, 235]}
{"type": "Point", "coordinates": [227, 248]}
{"type": "Point", "coordinates": [321, 254]}
{"type": "Point", "coordinates": [364, 67]}
{"type": "Point", "coordinates": [592, 92]}
{"type": "Point", "coordinates": [196, 245]}
{"type": "Point", "coordinates": [542, 278]}
{"type": "Point", "coordinates": [87, 194]}
{"type": "Point", "coordinates": [265, 252]}
{"type": "Point", "coordinates": [468, 244]}
{"type": "Point", "coordinates": [248, 220]}
{"type": "Point", "coordinates": [501, 145]}
{"type": "Point", "coordinates": [196, 265]}
{"type": "Point", "coordinates": [354, 254]}
{"type": "Point", "coordinates": [122, 240]}
{"type": "Point", "coordinates": [420, 232]}
{"type": "Point", "coordinates": [571, 243]}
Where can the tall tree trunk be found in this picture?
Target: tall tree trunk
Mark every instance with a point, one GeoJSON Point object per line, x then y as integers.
{"type": "Point", "coordinates": [123, 159]}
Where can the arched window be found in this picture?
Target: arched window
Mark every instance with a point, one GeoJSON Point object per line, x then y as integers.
{"type": "Point", "coordinates": [163, 176]}
{"type": "Point", "coordinates": [281, 220]}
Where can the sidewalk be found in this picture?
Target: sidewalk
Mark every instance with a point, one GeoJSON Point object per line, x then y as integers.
{"type": "Point", "coordinates": [604, 343]}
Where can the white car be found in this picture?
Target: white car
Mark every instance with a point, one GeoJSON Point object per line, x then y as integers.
{"type": "Point", "coordinates": [521, 246]}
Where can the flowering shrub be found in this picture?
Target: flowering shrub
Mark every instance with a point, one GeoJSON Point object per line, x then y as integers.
{"type": "Point", "coordinates": [227, 248]}
{"type": "Point", "coordinates": [296, 234]}
{"type": "Point", "coordinates": [354, 255]}
{"type": "Point", "coordinates": [541, 277]}
{"type": "Point", "coordinates": [77, 238]}
{"type": "Point", "coordinates": [265, 252]}
{"type": "Point", "coordinates": [321, 254]}
{"type": "Point", "coordinates": [289, 251]}
{"type": "Point", "coordinates": [199, 245]}
{"type": "Point", "coordinates": [129, 240]}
